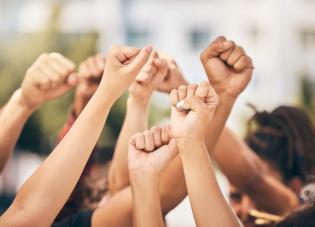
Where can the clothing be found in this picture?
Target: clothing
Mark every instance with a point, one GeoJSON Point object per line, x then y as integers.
{"type": "Point", "coordinates": [82, 219]}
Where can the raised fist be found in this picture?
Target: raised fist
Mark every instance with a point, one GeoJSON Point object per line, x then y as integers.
{"type": "Point", "coordinates": [174, 76]}
{"type": "Point", "coordinates": [50, 77]}
{"type": "Point", "coordinates": [193, 107]}
{"type": "Point", "coordinates": [123, 64]}
{"type": "Point", "coordinates": [149, 78]}
{"type": "Point", "coordinates": [228, 68]}
{"type": "Point", "coordinates": [151, 151]}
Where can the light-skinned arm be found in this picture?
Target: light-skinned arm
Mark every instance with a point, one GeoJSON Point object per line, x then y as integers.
{"type": "Point", "coordinates": [190, 126]}
{"type": "Point", "coordinates": [149, 153]}
{"type": "Point", "coordinates": [46, 191]}
{"type": "Point", "coordinates": [50, 77]}
{"type": "Point", "coordinates": [136, 119]}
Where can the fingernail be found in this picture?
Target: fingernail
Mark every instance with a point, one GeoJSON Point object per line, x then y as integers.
{"type": "Point", "coordinates": [148, 49]}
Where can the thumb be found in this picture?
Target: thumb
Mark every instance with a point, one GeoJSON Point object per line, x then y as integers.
{"type": "Point", "coordinates": [193, 103]}
{"type": "Point", "coordinates": [72, 80]}
{"type": "Point", "coordinates": [140, 59]}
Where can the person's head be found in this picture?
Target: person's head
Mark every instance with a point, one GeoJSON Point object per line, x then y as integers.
{"type": "Point", "coordinates": [92, 185]}
{"type": "Point", "coordinates": [304, 216]}
{"type": "Point", "coordinates": [284, 139]}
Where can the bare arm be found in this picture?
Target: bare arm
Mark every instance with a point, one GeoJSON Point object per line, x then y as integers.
{"type": "Point", "coordinates": [136, 119]}
{"type": "Point", "coordinates": [208, 204]}
{"type": "Point", "coordinates": [244, 169]}
{"type": "Point", "coordinates": [12, 119]}
{"type": "Point", "coordinates": [48, 188]}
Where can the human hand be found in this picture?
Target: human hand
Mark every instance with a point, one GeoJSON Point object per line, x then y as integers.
{"type": "Point", "coordinates": [151, 151]}
{"type": "Point", "coordinates": [227, 66]}
{"type": "Point", "coordinates": [49, 77]}
{"type": "Point", "coordinates": [174, 77]}
{"type": "Point", "coordinates": [123, 64]}
{"type": "Point", "coordinates": [149, 78]}
{"type": "Point", "coordinates": [193, 107]}
{"type": "Point", "coordinates": [90, 74]}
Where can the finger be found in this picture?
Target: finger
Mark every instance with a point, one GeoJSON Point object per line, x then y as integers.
{"type": "Point", "coordinates": [212, 98]}
{"type": "Point", "coordinates": [182, 92]}
{"type": "Point", "coordinates": [196, 104]}
{"type": "Point", "coordinates": [140, 59]}
{"type": "Point", "coordinates": [70, 66]}
{"type": "Point", "coordinates": [174, 97]}
{"type": "Point", "coordinates": [165, 135]}
{"type": "Point", "coordinates": [220, 39]}
{"type": "Point", "coordinates": [100, 63]}
{"type": "Point", "coordinates": [139, 141]}
{"type": "Point", "coordinates": [161, 66]}
{"type": "Point", "coordinates": [226, 54]}
{"type": "Point", "coordinates": [49, 74]}
{"type": "Point", "coordinates": [243, 63]}
{"type": "Point", "coordinates": [191, 89]}
{"type": "Point", "coordinates": [203, 89]}
{"type": "Point", "coordinates": [40, 79]}
{"type": "Point", "coordinates": [149, 141]}
{"type": "Point", "coordinates": [235, 55]}
{"type": "Point", "coordinates": [59, 69]}
{"type": "Point", "coordinates": [146, 73]}
{"type": "Point", "coordinates": [72, 79]}
{"type": "Point", "coordinates": [92, 66]}
{"type": "Point", "coordinates": [157, 134]}
{"type": "Point", "coordinates": [214, 50]}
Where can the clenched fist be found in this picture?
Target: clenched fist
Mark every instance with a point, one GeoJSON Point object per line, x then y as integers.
{"type": "Point", "coordinates": [149, 78]}
{"type": "Point", "coordinates": [228, 67]}
{"type": "Point", "coordinates": [174, 76]}
{"type": "Point", "coordinates": [123, 64]}
{"type": "Point", "coordinates": [90, 74]}
{"type": "Point", "coordinates": [151, 151]}
{"type": "Point", "coordinates": [193, 107]}
{"type": "Point", "coordinates": [50, 77]}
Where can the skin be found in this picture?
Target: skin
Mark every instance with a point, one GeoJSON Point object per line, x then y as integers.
{"type": "Point", "coordinates": [136, 119]}
{"type": "Point", "coordinates": [149, 153]}
{"type": "Point", "coordinates": [229, 71]}
{"type": "Point", "coordinates": [42, 194]}
{"type": "Point", "coordinates": [50, 77]}
{"type": "Point", "coordinates": [90, 74]}
{"type": "Point", "coordinates": [189, 130]}
{"type": "Point", "coordinates": [252, 176]}
{"type": "Point", "coordinates": [172, 185]}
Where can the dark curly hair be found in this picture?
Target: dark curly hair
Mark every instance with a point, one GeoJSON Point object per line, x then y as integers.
{"type": "Point", "coordinates": [84, 194]}
{"type": "Point", "coordinates": [285, 138]}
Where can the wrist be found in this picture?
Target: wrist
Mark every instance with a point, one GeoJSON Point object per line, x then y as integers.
{"type": "Point", "coordinates": [225, 98]}
{"type": "Point", "coordinates": [189, 145]}
{"type": "Point", "coordinates": [185, 141]}
{"type": "Point", "coordinates": [140, 102]}
{"type": "Point", "coordinates": [143, 178]}
{"type": "Point", "coordinates": [22, 103]}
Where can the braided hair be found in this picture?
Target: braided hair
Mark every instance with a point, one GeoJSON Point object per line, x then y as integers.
{"type": "Point", "coordinates": [285, 138]}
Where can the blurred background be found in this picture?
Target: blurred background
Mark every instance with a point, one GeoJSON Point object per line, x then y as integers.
{"type": "Point", "coordinates": [278, 35]}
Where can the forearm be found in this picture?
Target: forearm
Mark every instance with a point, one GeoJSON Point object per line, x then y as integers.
{"type": "Point", "coordinates": [146, 201]}
{"type": "Point", "coordinates": [220, 117]}
{"type": "Point", "coordinates": [208, 204]}
{"type": "Point", "coordinates": [245, 170]}
{"type": "Point", "coordinates": [49, 187]}
{"type": "Point", "coordinates": [136, 120]}
{"type": "Point", "coordinates": [12, 119]}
